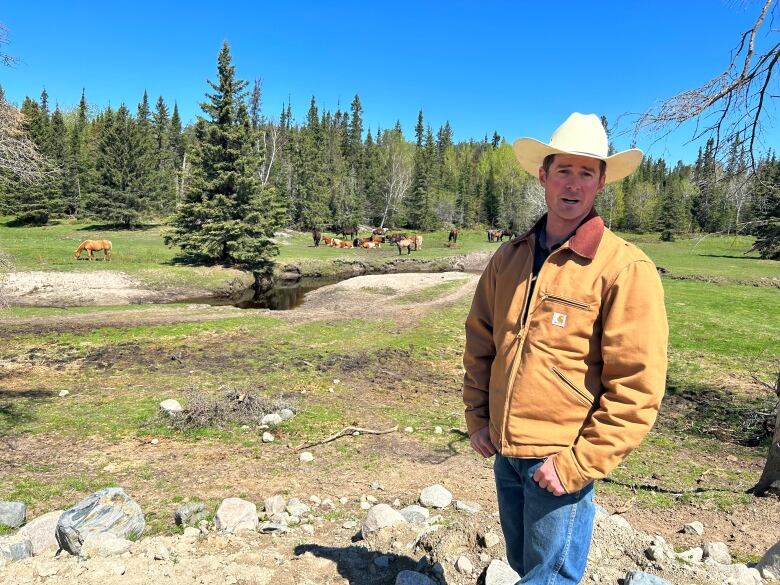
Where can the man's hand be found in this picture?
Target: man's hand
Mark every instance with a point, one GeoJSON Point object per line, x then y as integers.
{"type": "Point", "coordinates": [548, 479]}
{"type": "Point", "coordinates": [480, 442]}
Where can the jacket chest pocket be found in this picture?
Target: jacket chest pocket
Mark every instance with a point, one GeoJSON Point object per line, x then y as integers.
{"type": "Point", "coordinates": [565, 323]}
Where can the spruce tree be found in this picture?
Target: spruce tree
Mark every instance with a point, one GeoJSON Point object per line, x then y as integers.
{"type": "Point", "coordinates": [226, 216]}
{"type": "Point", "coordinates": [420, 212]}
{"type": "Point", "coordinates": [767, 198]}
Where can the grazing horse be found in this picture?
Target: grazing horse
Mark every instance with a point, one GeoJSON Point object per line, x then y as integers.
{"type": "Point", "coordinates": [94, 246]}
{"type": "Point", "coordinates": [453, 236]}
{"type": "Point", "coordinates": [317, 236]}
{"type": "Point", "coordinates": [417, 241]}
{"type": "Point", "coordinates": [405, 243]}
{"type": "Point", "coordinates": [496, 235]}
{"type": "Point", "coordinates": [350, 231]}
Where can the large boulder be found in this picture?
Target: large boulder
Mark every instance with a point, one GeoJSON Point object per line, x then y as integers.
{"type": "Point", "coordinates": [41, 531]}
{"type": "Point", "coordinates": [771, 561]}
{"type": "Point", "coordinates": [381, 516]}
{"type": "Point", "coordinates": [235, 514]}
{"type": "Point", "coordinates": [107, 510]}
{"type": "Point", "coordinates": [15, 548]}
{"type": "Point", "coordinates": [12, 514]}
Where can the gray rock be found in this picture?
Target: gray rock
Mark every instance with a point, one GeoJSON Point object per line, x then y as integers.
{"type": "Point", "coordinates": [103, 544]}
{"type": "Point", "coordinates": [235, 514]}
{"type": "Point", "coordinates": [415, 514]}
{"type": "Point", "coordinates": [41, 531]}
{"type": "Point", "coordinates": [189, 514]}
{"type": "Point", "coordinates": [286, 414]}
{"type": "Point", "coordinates": [272, 419]}
{"type": "Point", "coordinates": [191, 532]}
{"type": "Point", "coordinates": [274, 504]}
{"type": "Point", "coordinates": [463, 565]}
{"type": "Point", "coordinates": [15, 548]}
{"type": "Point", "coordinates": [435, 496]}
{"type": "Point", "coordinates": [381, 516]}
{"type": "Point", "coordinates": [297, 508]}
{"type": "Point", "coordinates": [741, 575]}
{"type": "Point", "coordinates": [467, 507]}
{"type": "Point", "coordinates": [618, 520]}
{"type": "Point", "coordinates": [656, 553]}
{"type": "Point", "coordinates": [718, 552]}
{"type": "Point", "coordinates": [693, 555]}
{"type": "Point", "coordinates": [12, 514]}
{"type": "Point", "coordinates": [500, 573]}
{"type": "Point", "coordinates": [382, 561]}
{"type": "Point", "coordinates": [107, 510]}
{"type": "Point", "coordinates": [640, 578]}
{"type": "Point", "coordinates": [271, 527]}
{"type": "Point", "coordinates": [171, 407]}
{"type": "Point", "coordinates": [771, 560]}
{"type": "Point", "coordinates": [413, 578]}
{"type": "Point", "coordinates": [349, 524]}
{"type": "Point", "coordinates": [490, 539]}
{"type": "Point", "coordinates": [268, 437]}
{"type": "Point", "coordinates": [694, 528]}
{"type": "Point", "coordinates": [306, 457]}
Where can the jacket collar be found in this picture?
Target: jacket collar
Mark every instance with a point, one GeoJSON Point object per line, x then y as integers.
{"type": "Point", "coordinates": [585, 240]}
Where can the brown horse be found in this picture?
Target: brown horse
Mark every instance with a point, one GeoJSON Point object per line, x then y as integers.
{"type": "Point", "coordinates": [94, 246]}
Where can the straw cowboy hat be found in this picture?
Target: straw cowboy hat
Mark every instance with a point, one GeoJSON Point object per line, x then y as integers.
{"type": "Point", "coordinates": [583, 135]}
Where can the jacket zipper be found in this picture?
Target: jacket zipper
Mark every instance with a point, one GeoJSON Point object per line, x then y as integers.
{"type": "Point", "coordinates": [565, 301]}
{"type": "Point", "coordinates": [586, 400]}
{"type": "Point", "coordinates": [521, 336]}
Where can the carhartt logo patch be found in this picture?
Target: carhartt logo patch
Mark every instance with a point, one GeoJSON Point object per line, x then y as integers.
{"type": "Point", "coordinates": [559, 319]}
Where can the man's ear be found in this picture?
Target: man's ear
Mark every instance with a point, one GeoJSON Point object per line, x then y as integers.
{"type": "Point", "coordinates": [543, 176]}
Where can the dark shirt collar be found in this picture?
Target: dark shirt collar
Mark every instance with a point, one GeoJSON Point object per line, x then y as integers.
{"type": "Point", "coordinates": [585, 240]}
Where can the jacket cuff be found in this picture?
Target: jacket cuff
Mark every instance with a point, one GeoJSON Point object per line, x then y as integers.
{"type": "Point", "coordinates": [569, 471]}
{"type": "Point", "coordinates": [476, 420]}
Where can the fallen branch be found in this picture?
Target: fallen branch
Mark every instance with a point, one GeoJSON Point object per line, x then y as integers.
{"type": "Point", "coordinates": [344, 432]}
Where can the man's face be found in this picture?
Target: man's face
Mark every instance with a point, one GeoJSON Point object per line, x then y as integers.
{"type": "Point", "coordinates": [570, 186]}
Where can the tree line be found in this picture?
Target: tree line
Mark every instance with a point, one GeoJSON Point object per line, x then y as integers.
{"type": "Point", "coordinates": [226, 181]}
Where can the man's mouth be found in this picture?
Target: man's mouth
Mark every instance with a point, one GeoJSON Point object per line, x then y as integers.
{"type": "Point", "coordinates": [570, 201]}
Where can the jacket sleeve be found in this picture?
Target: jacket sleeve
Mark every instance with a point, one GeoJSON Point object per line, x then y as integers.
{"type": "Point", "coordinates": [480, 351]}
{"type": "Point", "coordinates": [633, 347]}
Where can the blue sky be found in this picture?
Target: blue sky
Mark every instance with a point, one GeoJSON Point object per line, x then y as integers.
{"type": "Point", "coordinates": [516, 67]}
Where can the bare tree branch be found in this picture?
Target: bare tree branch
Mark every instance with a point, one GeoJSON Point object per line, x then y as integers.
{"type": "Point", "coordinates": [730, 104]}
{"type": "Point", "coordinates": [5, 58]}
{"type": "Point", "coordinates": [18, 155]}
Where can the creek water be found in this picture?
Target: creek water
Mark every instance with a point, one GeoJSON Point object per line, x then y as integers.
{"type": "Point", "coordinates": [281, 297]}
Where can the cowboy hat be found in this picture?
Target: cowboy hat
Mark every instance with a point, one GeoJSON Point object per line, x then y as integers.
{"type": "Point", "coordinates": [583, 135]}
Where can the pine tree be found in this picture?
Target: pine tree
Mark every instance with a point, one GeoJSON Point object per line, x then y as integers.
{"type": "Point", "coordinates": [162, 188]}
{"type": "Point", "coordinates": [226, 216]}
{"type": "Point", "coordinates": [420, 212]}
{"type": "Point", "coordinates": [80, 176]}
{"type": "Point", "coordinates": [310, 194]}
{"type": "Point", "coordinates": [767, 198]}
{"type": "Point", "coordinates": [119, 169]}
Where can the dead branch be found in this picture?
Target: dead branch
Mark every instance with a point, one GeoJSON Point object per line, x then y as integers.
{"type": "Point", "coordinates": [735, 99]}
{"type": "Point", "coordinates": [18, 155]}
{"type": "Point", "coordinates": [345, 432]}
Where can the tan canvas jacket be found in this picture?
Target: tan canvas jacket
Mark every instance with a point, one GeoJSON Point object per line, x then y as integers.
{"type": "Point", "coordinates": [584, 375]}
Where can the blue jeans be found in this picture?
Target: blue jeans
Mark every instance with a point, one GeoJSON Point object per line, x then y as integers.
{"type": "Point", "coordinates": [547, 537]}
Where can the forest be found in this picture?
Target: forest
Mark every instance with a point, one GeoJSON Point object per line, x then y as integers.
{"type": "Point", "coordinates": [225, 182]}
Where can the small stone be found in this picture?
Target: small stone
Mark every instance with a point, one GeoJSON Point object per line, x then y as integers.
{"type": "Point", "coordinates": [235, 514]}
{"type": "Point", "coordinates": [375, 485]}
{"type": "Point", "coordinates": [315, 500]}
{"type": "Point", "coordinates": [408, 429]}
{"type": "Point", "coordinates": [336, 381]}
{"type": "Point", "coordinates": [189, 513]}
{"type": "Point", "coordinates": [297, 508]}
{"type": "Point", "coordinates": [500, 573]}
{"type": "Point", "coordinates": [349, 524]}
{"type": "Point", "coordinates": [438, 430]}
{"type": "Point", "coordinates": [718, 552]}
{"type": "Point", "coordinates": [382, 561]}
{"type": "Point", "coordinates": [467, 507]}
{"type": "Point", "coordinates": [271, 419]}
{"type": "Point", "coordinates": [63, 393]}
{"type": "Point", "coordinates": [15, 548]}
{"type": "Point", "coordinates": [286, 414]}
{"type": "Point", "coordinates": [268, 437]}
{"type": "Point", "coordinates": [381, 516]}
{"type": "Point", "coordinates": [308, 528]}
{"type": "Point", "coordinates": [162, 553]}
{"type": "Point", "coordinates": [12, 514]}
{"type": "Point", "coordinates": [343, 500]}
{"type": "Point", "coordinates": [435, 496]}
{"type": "Point", "coordinates": [413, 578]}
{"type": "Point", "coordinates": [327, 505]}
{"type": "Point", "coordinates": [641, 578]}
{"type": "Point", "coordinates": [693, 555]}
{"type": "Point", "coordinates": [365, 505]}
{"type": "Point", "coordinates": [463, 565]}
{"type": "Point", "coordinates": [415, 514]}
{"type": "Point", "coordinates": [274, 504]}
{"type": "Point", "coordinates": [595, 577]}
{"type": "Point", "coordinates": [396, 503]}
{"type": "Point", "coordinates": [306, 456]}
{"type": "Point", "coordinates": [484, 557]}
{"type": "Point", "coordinates": [171, 407]}
{"type": "Point", "coordinates": [656, 553]}
{"type": "Point", "coordinates": [694, 528]}
{"type": "Point", "coordinates": [273, 528]}
{"type": "Point", "coordinates": [155, 441]}
{"type": "Point", "coordinates": [490, 539]}
{"type": "Point", "coordinates": [768, 575]}
{"type": "Point", "coordinates": [191, 532]}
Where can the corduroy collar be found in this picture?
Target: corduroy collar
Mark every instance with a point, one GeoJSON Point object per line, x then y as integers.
{"type": "Point", "coordinates": [586, 238]}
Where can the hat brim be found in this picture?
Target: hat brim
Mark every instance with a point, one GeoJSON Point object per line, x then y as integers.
{"type": "Point", "coordinates": [531, 153]}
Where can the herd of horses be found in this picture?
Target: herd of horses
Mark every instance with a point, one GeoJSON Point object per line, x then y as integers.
{"type": "Point", "coordinates": [380, 236]}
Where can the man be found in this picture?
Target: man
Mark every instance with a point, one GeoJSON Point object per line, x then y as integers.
{"type": "Point", "coordinates": [565, 355]}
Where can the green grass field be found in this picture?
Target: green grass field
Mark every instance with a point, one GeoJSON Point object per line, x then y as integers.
{"type": "Point", "coordinates": [723, 331]}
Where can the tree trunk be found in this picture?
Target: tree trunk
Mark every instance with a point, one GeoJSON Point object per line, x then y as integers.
{"type": "Point", "coordinates": [770, 477]}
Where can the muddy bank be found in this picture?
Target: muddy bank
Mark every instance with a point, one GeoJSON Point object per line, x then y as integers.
{"type": "Point", "coordinates": [108, 287]}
